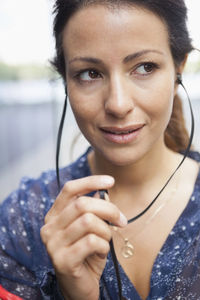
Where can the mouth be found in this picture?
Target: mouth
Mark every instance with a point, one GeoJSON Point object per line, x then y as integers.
{"type": "Point", "coordinates": [122, 131]}
{"type": "Point", "coordinates": [122, 135]}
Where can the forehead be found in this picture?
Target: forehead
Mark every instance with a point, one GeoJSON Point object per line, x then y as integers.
{"type": "Point", "coordinates": [101, 30]}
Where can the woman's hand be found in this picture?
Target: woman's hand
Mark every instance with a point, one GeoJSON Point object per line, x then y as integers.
{"type": "Point", "coordinates": [77, 237]}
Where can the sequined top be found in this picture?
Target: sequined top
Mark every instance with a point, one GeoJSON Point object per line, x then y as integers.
{"type": "Point", "coordinates": [26, 270]}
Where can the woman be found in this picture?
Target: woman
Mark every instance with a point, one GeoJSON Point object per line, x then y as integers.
{"type": "Point", "coordinates": [121, 62]}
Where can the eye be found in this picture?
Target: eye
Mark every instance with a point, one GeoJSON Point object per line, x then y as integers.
{"type": "Point", "coordinates": [145, 69]}
{"type": "Point", "coordinates": [89, 75]}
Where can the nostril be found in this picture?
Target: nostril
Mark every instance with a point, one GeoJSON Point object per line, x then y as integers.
{"type": "Point", "coordinates": [118, 108]}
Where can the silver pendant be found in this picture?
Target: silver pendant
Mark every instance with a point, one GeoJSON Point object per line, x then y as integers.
{"type": "Point", "coordinates": [128, 249]}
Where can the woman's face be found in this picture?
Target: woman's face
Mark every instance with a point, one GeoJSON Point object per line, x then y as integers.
{"type": "Point", "coordinates": [120, 80]}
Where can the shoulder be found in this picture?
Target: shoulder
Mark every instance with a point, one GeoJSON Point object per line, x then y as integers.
{"type": "Point", "coordinates": [195, 155]}
{"type": "Point", "coordinates": [193, 167]}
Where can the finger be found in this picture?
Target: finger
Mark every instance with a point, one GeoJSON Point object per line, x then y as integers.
{"type": "Point", "coordinates": [86, 224]}
{"type": "Point", "coordinates": [106, 211]}
{"type": "Point", "coordinates": [90, 244]}
{"type": "Point", "coordinates": [75, 188]}
{"type": "Point", "coordinates": [78, 253]}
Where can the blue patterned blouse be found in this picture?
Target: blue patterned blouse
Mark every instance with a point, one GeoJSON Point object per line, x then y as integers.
{"type": "Point", "coordinates": [26, 270]}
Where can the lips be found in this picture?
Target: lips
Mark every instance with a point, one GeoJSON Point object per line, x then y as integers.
{"type": "Point", "coordinates": [121, 135]}
{"type": "Point", "coordinates": [124, 130]}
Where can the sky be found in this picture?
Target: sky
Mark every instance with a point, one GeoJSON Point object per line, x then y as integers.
{"type": "Point", "coordinates": [26, 30]}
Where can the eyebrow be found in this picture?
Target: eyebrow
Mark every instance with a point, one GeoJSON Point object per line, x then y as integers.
{"type": "Point", "coordinates": [86, 59]}
{"type": "Point", "coordinates": [125, 60]}
{"type": "Point", "coordinates": [139, 54]}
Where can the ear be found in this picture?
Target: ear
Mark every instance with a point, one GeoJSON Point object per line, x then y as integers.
{"type": "Point", "coordinates": [179, 70]}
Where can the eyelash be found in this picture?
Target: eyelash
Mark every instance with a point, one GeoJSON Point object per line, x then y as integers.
{"type": "Point", "coordinates": [154, 66]}
{"type": "Point", "coordinates": [149, 63]}
{"type": "Point", "coordinates": [78, 75]}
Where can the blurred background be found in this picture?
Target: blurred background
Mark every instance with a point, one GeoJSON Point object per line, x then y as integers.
{"type": "Point", "coordinates": [31, 94]}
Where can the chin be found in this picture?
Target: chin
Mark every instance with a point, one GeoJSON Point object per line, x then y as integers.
{"type": "Point", "coordinates": [124, 161]}
{"type": "Point", "coordinates": [121, 157]}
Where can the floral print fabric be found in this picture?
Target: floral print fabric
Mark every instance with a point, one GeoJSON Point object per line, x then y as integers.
{"type": "Point", "coordinates": [26, 270]}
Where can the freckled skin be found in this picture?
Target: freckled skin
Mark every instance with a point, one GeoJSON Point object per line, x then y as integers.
{"type": "Point", "coordinates": [120, 98]}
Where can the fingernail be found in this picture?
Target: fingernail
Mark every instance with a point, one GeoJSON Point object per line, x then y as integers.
{"type": "Point", "coordinates": [123, 220]}
{"type": "Point", "coordinates": [107, 180]}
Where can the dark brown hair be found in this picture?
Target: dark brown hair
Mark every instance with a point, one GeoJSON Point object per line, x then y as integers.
{"type": "Point", "coordinates": [173, 13]}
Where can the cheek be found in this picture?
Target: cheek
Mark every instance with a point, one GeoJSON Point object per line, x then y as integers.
{"type": "Point", "coordinates": [159, 103]}
{"type": "Point", "coordinates": [85, 108]}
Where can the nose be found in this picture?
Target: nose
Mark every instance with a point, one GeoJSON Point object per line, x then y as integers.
{"type": "Point", "coordinates": [118, 100]}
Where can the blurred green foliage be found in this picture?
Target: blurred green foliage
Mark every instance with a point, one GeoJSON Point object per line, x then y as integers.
{"type": "Point", "coordinates": [18, 72]}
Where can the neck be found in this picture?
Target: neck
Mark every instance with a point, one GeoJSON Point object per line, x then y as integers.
{"type": "Point", "coordinates": [149, 173]}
